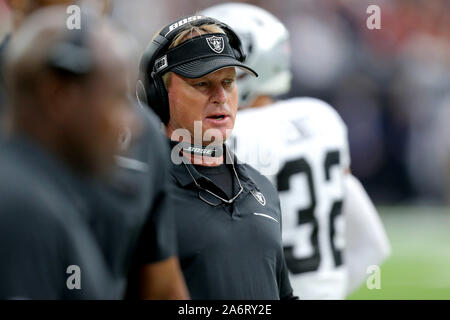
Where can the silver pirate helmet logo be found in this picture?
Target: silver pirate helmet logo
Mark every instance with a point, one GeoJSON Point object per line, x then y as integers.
{"type": "Point", "coordinates": [216, 44]}
{"type": "Point", "coordinates": [259, 196]}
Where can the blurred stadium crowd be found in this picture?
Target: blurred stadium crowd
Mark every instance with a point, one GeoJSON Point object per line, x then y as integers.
{"type": "Point", "coordinates": [391, 86]}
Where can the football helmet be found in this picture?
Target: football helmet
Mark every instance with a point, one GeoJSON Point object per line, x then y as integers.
{"type": "Point", "coordinates": [266, 43]}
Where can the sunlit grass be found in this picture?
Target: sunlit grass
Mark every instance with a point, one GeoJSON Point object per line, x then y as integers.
{"type": "Point", "coordinates": [419, 267]}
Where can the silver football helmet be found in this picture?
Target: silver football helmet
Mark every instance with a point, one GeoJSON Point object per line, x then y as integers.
{"type": "Point", "coordinates": [265, 41]}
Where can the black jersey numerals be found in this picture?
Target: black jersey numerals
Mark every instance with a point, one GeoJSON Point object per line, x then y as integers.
{"type": "Point", "coordinates": [333, 159]}
{"type": "Point", "coordinates": [306, 215]}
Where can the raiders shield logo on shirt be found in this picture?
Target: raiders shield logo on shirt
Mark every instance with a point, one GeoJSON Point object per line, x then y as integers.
{"type": "Point", "coordinates": [215, 43]}
{"type": "Point", "coordinates": [259, 196]}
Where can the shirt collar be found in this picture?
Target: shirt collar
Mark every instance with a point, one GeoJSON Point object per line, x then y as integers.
{"type": "Point", "coordinates": [184, 178]}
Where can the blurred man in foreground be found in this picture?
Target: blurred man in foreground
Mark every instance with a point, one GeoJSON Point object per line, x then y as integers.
{"type": "Point", "coordinates": [132, 216]}
{"type": "Point", "coordinates": [331, 230]}
{"type": "Point", "coordinates": [20, 9]}
{"type": "Point", "coordinates": [66, 205]}
{"type": "Point", "coordinates": [64, 121]}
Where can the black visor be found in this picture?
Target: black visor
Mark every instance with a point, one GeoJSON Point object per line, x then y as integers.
{"type": "Point", "coordinates": [200, 56]}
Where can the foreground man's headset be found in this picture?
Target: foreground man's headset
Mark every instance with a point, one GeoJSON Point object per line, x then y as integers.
{"type": "Point", "coordinates": [150, 88]}
{"type": "Point", "coordinates": [71, 55]}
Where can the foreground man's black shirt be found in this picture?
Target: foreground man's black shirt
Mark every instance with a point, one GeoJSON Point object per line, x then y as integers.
{"type": "Point", "coordinates": [51, 218]}
{"type": "Point", "coordinates": [132, 216]}
{"type": "Point", "coordinates": [230, 251]}
{"type": "Point", "coordinates": [44, 229]}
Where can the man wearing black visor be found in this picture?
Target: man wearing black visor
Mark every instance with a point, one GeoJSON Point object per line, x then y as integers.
{"type": "Point", "coordinates": [227, 214]}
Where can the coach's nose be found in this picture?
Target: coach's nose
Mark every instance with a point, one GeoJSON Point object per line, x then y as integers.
{"type": "Point", "coordinates": [218, 94]}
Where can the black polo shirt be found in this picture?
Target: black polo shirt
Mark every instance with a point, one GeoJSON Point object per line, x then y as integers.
{"type": "Point", "coordinates": [44, 229]}
{"type": "Point", "coordinates": [230, 251]}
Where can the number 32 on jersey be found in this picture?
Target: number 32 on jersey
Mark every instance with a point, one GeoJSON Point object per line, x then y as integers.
{"type": "Point", "coordinates": [315, 224]}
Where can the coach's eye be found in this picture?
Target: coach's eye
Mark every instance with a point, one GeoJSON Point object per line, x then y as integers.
{"type": "Point", "coordinates": [201, 84]}
{"type": "Point", "coordinates": [228, 82]}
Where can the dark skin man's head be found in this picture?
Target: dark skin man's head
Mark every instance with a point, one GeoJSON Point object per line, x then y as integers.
{"type": "Point", "coordinates": [79, 117]}
{"type": "Point", "coordinates": [23, 8]}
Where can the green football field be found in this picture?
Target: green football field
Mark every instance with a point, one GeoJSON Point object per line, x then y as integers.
{"type": "Point", "coordinates": [419, 267]}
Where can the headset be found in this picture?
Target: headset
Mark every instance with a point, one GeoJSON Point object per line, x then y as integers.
{"type": "Point", "coordinates": [150, 88]}
{"type": "Point", "coordinates": [72, 55]}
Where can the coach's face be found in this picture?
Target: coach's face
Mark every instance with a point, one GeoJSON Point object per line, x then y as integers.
{"type": "Point", "coordinates": [211, 100]}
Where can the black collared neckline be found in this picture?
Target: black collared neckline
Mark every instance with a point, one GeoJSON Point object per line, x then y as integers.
{"type": "Point", "coordinates": [185, 180]}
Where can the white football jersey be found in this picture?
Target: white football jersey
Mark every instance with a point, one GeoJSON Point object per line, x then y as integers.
{"type": "Point", "coordinates": [301, 145]}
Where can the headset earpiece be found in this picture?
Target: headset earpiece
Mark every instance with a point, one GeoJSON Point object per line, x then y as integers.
{"type": "Point", "coordinates": [159, 93]}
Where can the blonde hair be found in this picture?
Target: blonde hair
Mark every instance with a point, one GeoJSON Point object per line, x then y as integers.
{"type": "Point", "coordinates": [189, 33]}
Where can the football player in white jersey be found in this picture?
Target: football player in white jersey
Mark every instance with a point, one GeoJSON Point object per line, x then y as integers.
{"type": "Point", "coordinates": [332, 232]}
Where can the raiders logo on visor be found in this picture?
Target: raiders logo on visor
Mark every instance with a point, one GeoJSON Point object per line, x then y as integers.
{"type": "Point", "coordinates": [216, 44]}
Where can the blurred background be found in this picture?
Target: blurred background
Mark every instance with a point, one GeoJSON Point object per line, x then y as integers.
{"type": "Point", "coordinates": [391, 87]}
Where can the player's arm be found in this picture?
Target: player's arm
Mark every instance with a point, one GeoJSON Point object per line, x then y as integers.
{"type": "Point", "coordinates": [366, 240]}
{"type": "Point", "coordinates": [156, 273]}
{"type": "Point", "coordinates": [162, 280]}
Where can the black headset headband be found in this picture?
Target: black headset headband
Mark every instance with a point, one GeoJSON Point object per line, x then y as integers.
{"type": "Point", "coordinates": [151, 89]}
{"type": "Point", "coordinates": [162, 41]}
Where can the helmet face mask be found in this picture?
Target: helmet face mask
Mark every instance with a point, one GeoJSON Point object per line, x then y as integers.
{"type": "Point", "coordinates": [266, 43]}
